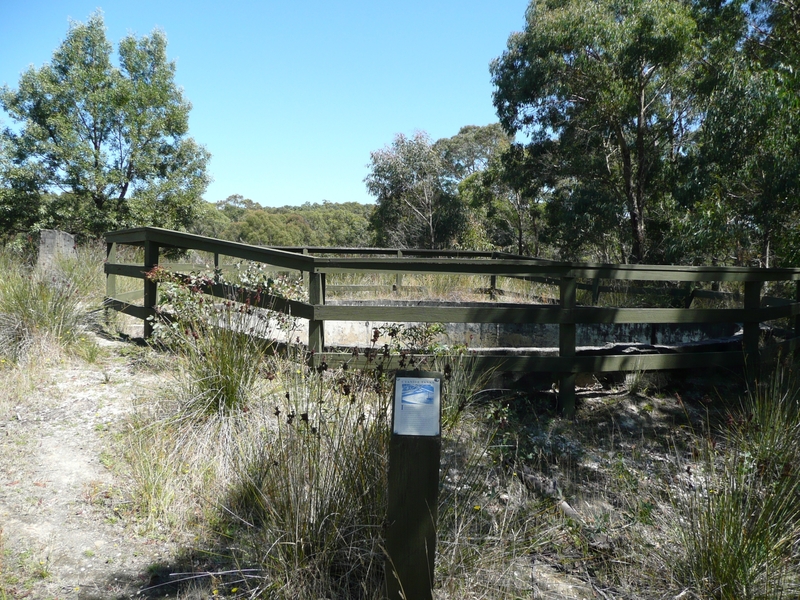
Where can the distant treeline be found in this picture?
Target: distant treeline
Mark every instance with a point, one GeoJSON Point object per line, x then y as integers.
{"type": "Point", "coordinates": [311, 224]}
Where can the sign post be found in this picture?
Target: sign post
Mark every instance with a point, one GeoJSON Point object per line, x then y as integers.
{"type": "Point", "coordinates": [413, 495]}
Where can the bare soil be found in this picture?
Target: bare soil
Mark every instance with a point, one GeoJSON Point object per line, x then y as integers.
{"type": "Point", "coordinates": [60, 499]}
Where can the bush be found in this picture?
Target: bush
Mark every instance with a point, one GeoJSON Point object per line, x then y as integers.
{"type": "Point", "coordinates": [313, 482]}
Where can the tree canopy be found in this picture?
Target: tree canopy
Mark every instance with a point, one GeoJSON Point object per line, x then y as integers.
{"type": "Point", "coordinates": [416, 205]}
{"type": "Point", "coordinates": [100, 146]}
{"type": "Point", "coordinates": [657, 130]}
{"type": "Point", "coordinates": [604, 88]}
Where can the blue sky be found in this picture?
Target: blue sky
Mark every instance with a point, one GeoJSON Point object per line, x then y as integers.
{"type": "Point", "coordinates": [290, 98]}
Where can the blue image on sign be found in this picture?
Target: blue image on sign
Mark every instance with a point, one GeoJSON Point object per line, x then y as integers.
{"type": "Point", "coordinates": [416, 393]}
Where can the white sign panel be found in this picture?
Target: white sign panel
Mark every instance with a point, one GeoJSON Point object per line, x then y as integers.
{"type": "Point", "coordinates": [417, 403]}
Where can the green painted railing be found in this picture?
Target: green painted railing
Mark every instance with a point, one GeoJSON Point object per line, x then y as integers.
{"type": "Point", "coordinates": [317, 263]}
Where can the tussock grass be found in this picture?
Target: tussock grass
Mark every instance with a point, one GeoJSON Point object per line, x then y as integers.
{"type": "Point", "coordinates": [742, 519]}
{"type": "Point", "coordinates": [43, 308]}
{"type": "Point", "coordinates": [220, 368]}
{"type": "Point", "coordinates": [296, 477]}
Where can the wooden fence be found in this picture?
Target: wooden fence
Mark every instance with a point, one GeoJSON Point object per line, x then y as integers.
{"type": "Point", "coordinates": [317, 263]}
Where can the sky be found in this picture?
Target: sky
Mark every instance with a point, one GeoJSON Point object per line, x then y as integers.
{"type": "Point", "coordinates": [290, 97]}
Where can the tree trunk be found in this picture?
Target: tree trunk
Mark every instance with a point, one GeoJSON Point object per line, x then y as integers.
{"type": "Point", "coordinates": [636, 223]}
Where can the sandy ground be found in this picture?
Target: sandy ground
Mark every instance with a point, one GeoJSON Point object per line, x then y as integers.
{"type": "Point", "coordinates": [60, 502]}
{"type": "Point", "coordinates": [66, 531]}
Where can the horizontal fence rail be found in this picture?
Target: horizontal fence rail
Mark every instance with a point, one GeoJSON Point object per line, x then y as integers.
{"type": "Point", "coordinates": [317, 263]}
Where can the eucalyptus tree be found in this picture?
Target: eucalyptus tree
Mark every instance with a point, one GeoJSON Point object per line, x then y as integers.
{"type": "Point", "coordinates": [472, 149]}
{"type": "Point", "coordinates": [604, 90]}
{"type": "Point", "coordinates": [109, 142]}
{"type": "Point", "coordinates": [744, 184]}
{"type": "Point", "coordinates": [416, 201]}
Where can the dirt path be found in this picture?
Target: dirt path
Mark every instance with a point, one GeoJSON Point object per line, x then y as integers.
{"type": "Point", "coordinates": [59, 501]}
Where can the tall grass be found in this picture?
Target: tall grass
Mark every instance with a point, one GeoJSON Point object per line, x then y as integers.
{"type": "Point", "coordinates": [35, 304]}
{"type": "Point", "coordinates": [312, 488]}
{"type": "Point", "coordinates": [742, 522]}
{"type": "Point", "coordinates": [286, 465]}
{"type": "Point", "coordinates": [296, 481]}
{"type": "Point", "coordinates": [290, 461]}
{"type": "Point", "coordinates": [221, 366]}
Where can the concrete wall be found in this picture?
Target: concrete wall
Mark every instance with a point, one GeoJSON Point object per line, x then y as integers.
{"type": "Point", "coordinates": [529, 335]}
{"type": "Point", "coordinates": [52, 245]}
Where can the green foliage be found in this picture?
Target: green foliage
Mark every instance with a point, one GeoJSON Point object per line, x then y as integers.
{"type": "Point", "coordinates": [222, 362]}
{"type": "Point", "coordinates": [422, 190]}
{"type": "Point", "coordinates": [210, 221]}
{"type": "Point", "coordinates": [113, 138]}
{"type": "Point", "coordinates": [743, 518]}
{"type": "Point", "coordinates": [326, 224]}
{"type": "Point", "coordinates": [658, 130]}
{"type": "Point", "coordinates": [509, 196]}
{"type": "Point", "coordinates": [417, 206]}
{"type": "Point", "coordinates": [314, 483]}
{"type": "Point", "coordinates": [604, 91]}
{"type": "Point", "coordinates": [223, 343]}
{"type": "Point", "coordinates": [750, 167]}
{"type": "Point", "coordinates": [472, 149]}
{"type": "Point", "coordinates": [261, 227]}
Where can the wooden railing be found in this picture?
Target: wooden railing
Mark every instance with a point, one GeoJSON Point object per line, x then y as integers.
{"type": "Point", "coordinates": [317, 263]}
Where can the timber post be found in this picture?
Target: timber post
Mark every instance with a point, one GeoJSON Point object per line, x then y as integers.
{"type": "Point", "coordinates": [566, 345]}
{"type": "Point", "coordinates": [413, 486]}
{"type": "Point", "coordinates": [316, 328]}
{"type": "Point", "coordinates": [304, 275]}
{"type": "Point", "coordinates": [111, 278]}
{"type": "Point", "coordinates": [797, 299]}
{"type": "Point", "coordinates": [595, 291]}
{"type": "Point", "coordinates": [398, 278]}
{"type": "Point", "coordinates": [150, 286]}
{"type": "Point", "coordinates": [751, 330]}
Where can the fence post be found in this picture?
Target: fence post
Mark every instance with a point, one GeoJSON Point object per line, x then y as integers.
{"type": "Point", "coordinates": [111, 278]}
{"type": "Point", "coordinates": [398, 278]}
{"type": "Point", "coordinates": [316, 329]}
{"type": "Point", "coordinates": [751, 326]}
{"type": "Point", "coordinates": [304, 275]}
{"type": "Point", "coordinates": [415, 450]}
{"type": "Point", "coordinates": [797, 299]}
{"type": "Point", "coordinates": [150, 287]}
{"type": "Point", "coordinates": [566, 345]}
{"type": "Point", "coordinates": [595, 291]}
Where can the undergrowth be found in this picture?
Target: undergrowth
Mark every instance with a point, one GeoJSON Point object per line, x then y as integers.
{"type": "Point", "coordinates": [46, 307]}
{"type": "Point", "coordinates": [273, 467]}
{"type": "Point", "coordinates": [743, 512]}
{"type": "Point", "coordinates": [284, 479]}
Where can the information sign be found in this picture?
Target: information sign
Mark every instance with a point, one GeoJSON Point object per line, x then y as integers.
{"type": "Point", "coordinates": [417, 406]}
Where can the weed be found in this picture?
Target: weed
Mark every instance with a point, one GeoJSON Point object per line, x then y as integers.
{"type": "Point", "coordinates": [87, 349]}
